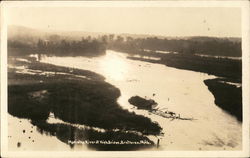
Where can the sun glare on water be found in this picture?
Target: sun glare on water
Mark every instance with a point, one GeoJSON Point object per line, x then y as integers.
{"type": "Point", "coordinates": [114, 66]}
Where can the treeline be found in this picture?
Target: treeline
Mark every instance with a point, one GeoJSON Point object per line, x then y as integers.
{"type": "Point", "coordinates": [62, 46]}
{"type": "Point", "coordinates": [89, 47]}
{"type": "Point", "coordinates": [85, 47]}
{"type": "Point", "coordinates": [16, 47]}
{"type": "Point", "coordinates": [195, 45]}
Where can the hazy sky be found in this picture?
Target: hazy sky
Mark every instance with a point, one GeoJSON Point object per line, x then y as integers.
{"type": "Point", "coordinates": [157, 21]}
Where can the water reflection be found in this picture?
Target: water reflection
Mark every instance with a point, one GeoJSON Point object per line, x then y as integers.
{"type": "Point", "coordinates": [114, 66]}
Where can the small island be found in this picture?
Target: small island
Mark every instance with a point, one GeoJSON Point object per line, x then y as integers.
{"type": "Point", "coordinates": [141, 103]}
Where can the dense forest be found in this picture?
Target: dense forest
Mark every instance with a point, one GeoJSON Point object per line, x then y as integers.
{"type": "Point", "coordinates": [84, 47]}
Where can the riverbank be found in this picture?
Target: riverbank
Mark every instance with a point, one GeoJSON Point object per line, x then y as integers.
{"type": "Point", "coordinates": [227, 96]}
{"type": "Point", "coordinates": [221, 67]}
{"type": "Point", "coordinates": [77, 97]}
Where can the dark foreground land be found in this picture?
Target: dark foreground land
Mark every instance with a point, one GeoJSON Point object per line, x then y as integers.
{"type": "Point", "coordinates": [77, 97]}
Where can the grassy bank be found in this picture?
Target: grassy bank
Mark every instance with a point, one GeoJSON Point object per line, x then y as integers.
{"type": "Point", "coordinates": [228, 68]}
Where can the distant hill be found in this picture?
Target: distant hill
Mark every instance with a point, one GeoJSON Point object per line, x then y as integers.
{"type": "Point", "coordinates": [25, 34]}
{"type": "Point", "coordinates": [31, 35]}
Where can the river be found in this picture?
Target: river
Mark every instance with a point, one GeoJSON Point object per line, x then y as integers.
{"type": "Point", "coordinates": [180, 91]}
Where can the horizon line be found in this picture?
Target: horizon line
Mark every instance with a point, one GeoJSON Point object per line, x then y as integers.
{"type": "Point", "coordinates": [122, 33]}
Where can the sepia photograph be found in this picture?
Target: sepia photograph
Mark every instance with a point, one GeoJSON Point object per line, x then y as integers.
{"type": "Point", "coordinates": [155, 77]}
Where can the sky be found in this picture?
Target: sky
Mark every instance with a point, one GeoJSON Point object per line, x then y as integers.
{"type": "Point", "coordinates": [166, 21]}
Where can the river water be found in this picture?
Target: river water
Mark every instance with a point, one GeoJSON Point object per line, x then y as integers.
{"type": "Point", "coordinates": [180, 91]}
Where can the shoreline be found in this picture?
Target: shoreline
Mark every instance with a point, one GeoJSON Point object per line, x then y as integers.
{"type": "Point", "coordinates": [228, 97]}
